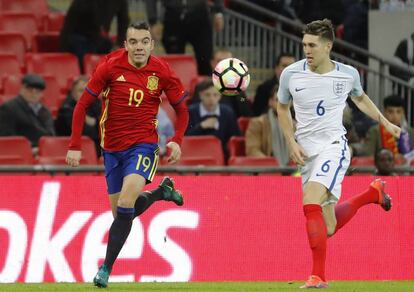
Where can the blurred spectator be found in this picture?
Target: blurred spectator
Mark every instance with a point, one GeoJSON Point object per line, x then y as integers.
{"type": "Point", "coordinates": [63, 122]}
{"type": "Point", "coordinates": [209, 117]}
{"type": "Point", "coordinates": [282, 7]}
{"type": "Point", "coordinates": [87, 24]}
{"type": "Point", "coordinates": [310, 10]}
{"type": "Point", "coordinates": [356, 26]}
{"type": "Point", "coordinates": [165, 129]}
{"type": "Point", "coordinates": [187, 21]}
{"type": "Point", "coordinates": [404, 55]}
{"type": "Point", "coordinates": [378, 137]}
{"type": "Point", "coordinates": [263, 91]}
{"type": "Point", "coordinates": [354, 142]}
{"type": "Point", "coordinates": [264, 137]}
{"type": "Point", "coordinates": [25, 115]}
{"type": "Point", "coordinates": [239, 103]}
{"type": "Point", "coordinates": [384, 163]}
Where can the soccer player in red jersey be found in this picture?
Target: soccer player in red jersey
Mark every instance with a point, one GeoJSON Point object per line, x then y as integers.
{"type": "Point", "coordinates": [130, 81]}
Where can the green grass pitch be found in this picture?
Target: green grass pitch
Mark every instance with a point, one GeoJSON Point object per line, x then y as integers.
{"type": "Point", "coordinates": [348, 286]}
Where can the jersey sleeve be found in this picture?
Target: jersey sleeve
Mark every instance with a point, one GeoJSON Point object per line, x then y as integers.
{"type": "Point", "coordinates": [356, 86]}
{"type": "Point", "coordinates": [176, 95]}
{"type": "Point", "coordinates": [173, 88]}
{"type": "Point", "coordinates": [94, 87]}
{"type": "Point", "coordinates": [283, 92]}
{"type": "Point", "coordinates": [99, 79]}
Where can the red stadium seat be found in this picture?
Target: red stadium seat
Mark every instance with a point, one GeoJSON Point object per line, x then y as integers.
{"type": "Point", "coordinates": [184, 66]}
{"type": "Point", "coordinates": [37, 7]}
{"type": "Point", "coordinates": [15, 150]}
{"type": "Point", "coordinates": [53, 21]}
{"type": "Point", "coordinates": [52, 150]}
{"type": "Point", "coordinates": [237, 146]}
{"type": "Point", "coordinates": [13, 43]}
{"type": "Point", "coordinates": [12, 84]}
{"type": "Point", "coordinates": [44, 42]}
{"type": "Point", "coordinates": [52, 97]}
{"type": "Point", "coordinates": [243, 124]}
{"type": "Point", "coordinates": [363, 161]}
{"type": "Point", "coordinates": [24, 23]}
{"type": "Point", "coordinates": [63, 66]}
{"type": "Point", "coordinates": [201, 150]}
{"type": "Point", "coordinates": [90, 61]}
{"type": "Point", "coordinates": [253, 161]}
{"type": "Point", "coordinates": [6, 98]}
{"type": "Point", "coordinates": [9, 65]}
{"type": "Point", "coordinates": [166, 106]}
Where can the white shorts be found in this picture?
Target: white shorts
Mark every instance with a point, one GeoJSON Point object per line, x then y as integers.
{"type": "Point", "coordinates": [328, 168]}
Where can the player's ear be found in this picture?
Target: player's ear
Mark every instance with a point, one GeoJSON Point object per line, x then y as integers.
{"type": "Point", "coordinates": [125, 45]}
{"type": "Point", "coordinates": [329, 46]}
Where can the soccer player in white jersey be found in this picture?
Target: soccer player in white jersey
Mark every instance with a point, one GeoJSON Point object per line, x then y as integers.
{"type": "Point", "coordinates": [319, 88]}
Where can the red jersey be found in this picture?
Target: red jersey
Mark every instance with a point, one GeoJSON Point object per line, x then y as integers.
{"type": "Point", "coordinates": [130, 101]}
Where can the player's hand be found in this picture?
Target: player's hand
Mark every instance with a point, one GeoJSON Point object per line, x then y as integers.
{"type": "Point", "coordinates": [209, 123]}
{"type": "Point", "coordinates": [393, 129]}
{"type": "Point", "coordinates": [73, 157]}
{"type": "Point", "coordinates": [175, 152]}
{"type": "Point", "coordinates": [297, 154]}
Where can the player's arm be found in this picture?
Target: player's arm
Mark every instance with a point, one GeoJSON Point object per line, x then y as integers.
{"type": "Point", "coordinates": [89, 95]}
{"type": "Point", "coordinates": [365, 104]}
{"type": "Point", "coordinates": [181, 112]}
{"type": "Point", "coordinates": [74, 153]}
{"type": "Point", "coordinates": [177, 97]}
{"type": "Point", "coordinates": [296, 152]}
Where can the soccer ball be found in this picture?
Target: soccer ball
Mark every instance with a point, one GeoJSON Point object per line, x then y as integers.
{"type": "Point", "coordinates": [231, 77]}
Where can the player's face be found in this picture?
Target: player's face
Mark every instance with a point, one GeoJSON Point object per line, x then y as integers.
{"type": "Point", "coordinates": [394, 114]}
{"type": "Point", "coordinates": [31, 95]}
{"type": "Point", "coordinates": [385, 162]}
{"type": "Point", "coordinates": [210, 98]}
{"type": "Point", "coordinates": [139, 45]}
{"type": "Point", "coordinates": [316, 49]}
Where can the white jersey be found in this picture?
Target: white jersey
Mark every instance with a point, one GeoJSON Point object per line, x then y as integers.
{"type": "Point", "coordinates": [319, 101]}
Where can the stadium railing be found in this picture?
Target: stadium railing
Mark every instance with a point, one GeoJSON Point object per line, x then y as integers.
{"type": "Point", "coordinates": [181, 170]}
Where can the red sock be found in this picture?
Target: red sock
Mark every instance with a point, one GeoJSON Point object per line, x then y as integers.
{"type": "Point", "coordinates": [345, 211]}
{"type": "Point", "coordinates": [317, 235]}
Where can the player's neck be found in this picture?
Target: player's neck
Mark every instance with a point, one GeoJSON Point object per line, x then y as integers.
{"type": "Point", "coordinates": [324, 67]}
{"type": "Point", "coordinates": [136, 65]}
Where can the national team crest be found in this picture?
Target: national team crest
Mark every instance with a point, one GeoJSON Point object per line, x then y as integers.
{"type": "Point", "coordinates": [339, 87]}
{"type": "Point", "coordinates": [152, 83]}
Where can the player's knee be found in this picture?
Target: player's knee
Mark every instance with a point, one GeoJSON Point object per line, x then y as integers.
{"type": "Point", "coordinates": [126, 202]}
{"type": "Point", "coordinates": [312, 199]}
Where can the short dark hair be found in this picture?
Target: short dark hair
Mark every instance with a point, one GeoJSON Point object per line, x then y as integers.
{"type": "Point", "coordinates": [80, 78]}
{"type": "Point", "coordinates": [322, 28]}
{"type": "Point", "coordinates": [394, 101]}
{"type": "Point", "coordinates": [283, 55]}
{"type": "Point", "coordinates": [34, 81]}
{"type": "Point", "coordinates": [204, 84]}
{"type": "Point", "coordinates": [138, 25]}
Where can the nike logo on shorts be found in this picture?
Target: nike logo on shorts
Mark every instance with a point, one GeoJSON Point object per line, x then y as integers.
{"type": "Point", "coordinates": [299, 89]}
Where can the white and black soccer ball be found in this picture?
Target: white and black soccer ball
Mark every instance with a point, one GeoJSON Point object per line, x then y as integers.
{"type": "Point", "coordinates": [231, 77]}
